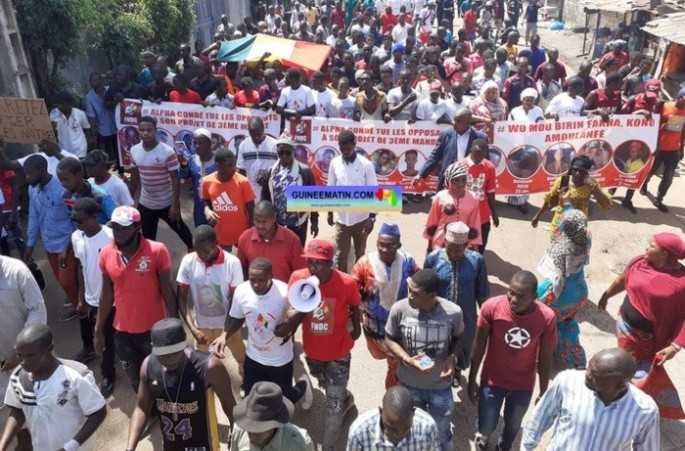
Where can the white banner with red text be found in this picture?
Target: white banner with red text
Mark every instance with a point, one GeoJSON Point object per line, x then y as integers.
{"type": "Point", "coordinates": [176, 123]}
{"type": "Point", "coordinates": [528, 157]}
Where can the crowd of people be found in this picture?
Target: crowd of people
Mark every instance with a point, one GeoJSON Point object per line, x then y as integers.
{"type": "Point", "coordinates": [253, 265]}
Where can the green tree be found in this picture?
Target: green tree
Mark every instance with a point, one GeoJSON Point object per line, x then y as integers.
{"type": "Point", "coordinates": [171, 22]}
{"type": "Point", "coordinates": [51, 31]}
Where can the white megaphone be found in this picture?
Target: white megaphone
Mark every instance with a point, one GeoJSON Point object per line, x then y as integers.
{"type": "Point", "coordinates": [305, 295]}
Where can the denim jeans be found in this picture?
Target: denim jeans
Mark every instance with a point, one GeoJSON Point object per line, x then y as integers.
{"type": "Point", "coordinates": [439, 404]}
{"type": "Point", "coordinates": [332, 377]}
{"type": "Point", "coordinates": [489, 406]}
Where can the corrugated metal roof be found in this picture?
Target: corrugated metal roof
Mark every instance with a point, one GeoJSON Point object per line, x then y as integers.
{"type": "Point", "coordinates": [616, 6]}
{"type": "Point", "coordinates": [670, 27]}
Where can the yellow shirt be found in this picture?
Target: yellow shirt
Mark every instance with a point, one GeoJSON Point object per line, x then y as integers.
{"type": "Point", "coordinates": [577, 196]}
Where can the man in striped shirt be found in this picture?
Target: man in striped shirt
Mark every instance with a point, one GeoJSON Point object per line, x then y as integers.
{"type": "Point", "coordinates": [156, 184]}
{"type": "Point", "coordinates": [596, 410]}
{"type": "Point", "coordinates": [397, 426]}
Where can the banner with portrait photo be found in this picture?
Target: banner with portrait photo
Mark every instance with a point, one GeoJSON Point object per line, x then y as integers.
{"type": "Point", "coordinates": [398, 150]}
{"type": "Point", "coordinates": [530, 157]}
{"type": "Point", "coordinates": [176, 123]}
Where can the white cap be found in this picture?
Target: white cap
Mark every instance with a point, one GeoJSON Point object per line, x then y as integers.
{"type": "Point", "coordinates": [457, 232]}
{"type": "Point", "coordinates": [529, 92]}
{"type": "Point", "coordinates": [202, 133]}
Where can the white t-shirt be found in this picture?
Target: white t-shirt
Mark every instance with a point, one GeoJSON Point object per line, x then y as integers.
{"type": "Point", "coordinates": [56, 408]}
{"type": "Point", "coordinates": [564, 106]}
{"type": "Point", "coordinates": [52, 161]}
{"type": "Point", "coordinates": [296, 99]}
{"type": "Point", "coordinates": [429, 111]}
{"type": "Point", "coordinates": [533, 115]}
{"type": "Point", "coordinates": [116, 188]}
{"type": "Point", "coordinates": [358, 173]}
{"type": "Point", "coordinates": [400, 34]}
{"type": "Point", "coordinates": [254, 159]}
{"type": "Point", "coordinates": [451, 107]}
{"type": "Point", "coordinates": [323, 100]}
{"type": "Point", "coordinates": [154, 167]}
{"type": "Point", "coordinates": [342, 108]}
{"type": "Point", "coordinates": [87, 250]}
{"type": "Point", "coordinates": [262, 314]}
{"type": "Point", "coordinates": [210, 287]}
{"type": "Point", "coordinates": [395, 97]}
{"type": "Point", "coordinates": [70, 132]}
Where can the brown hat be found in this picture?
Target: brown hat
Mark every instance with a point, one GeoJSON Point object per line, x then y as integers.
{"type": "Point", "coordinates": [263, 409]}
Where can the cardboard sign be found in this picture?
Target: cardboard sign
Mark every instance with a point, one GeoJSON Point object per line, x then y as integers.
{"type": "Point", "coordinates": [24, 121]}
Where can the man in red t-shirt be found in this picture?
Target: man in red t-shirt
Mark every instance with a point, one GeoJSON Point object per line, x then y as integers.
{"type": "Point", "coordinates": [181, 93]}
{"type": "Point", "coordinates": [328, 333]}
{"type": "Point", "coordinates": [388, 20]}
{"type": "Point", "coordinates": [136, 278]}
{"type": "Point", "coordinates": [247, 97]}
{"type": "Point", "coordinates": [520, 334]}
{"type": "Point", "coordinates": [481, 184]}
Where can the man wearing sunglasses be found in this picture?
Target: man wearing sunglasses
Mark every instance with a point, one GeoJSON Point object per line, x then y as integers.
{"type": "Point", "coordinates": [285, 172]}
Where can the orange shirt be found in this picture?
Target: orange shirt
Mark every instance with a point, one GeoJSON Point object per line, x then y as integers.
{"type": "Point", "coordinates": [670, 134]}
{"type": "Point", "coordinates": [229, 201]}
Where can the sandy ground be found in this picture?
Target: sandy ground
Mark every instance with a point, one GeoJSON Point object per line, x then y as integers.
{"type": "Point", "coordinates": [617, 237]}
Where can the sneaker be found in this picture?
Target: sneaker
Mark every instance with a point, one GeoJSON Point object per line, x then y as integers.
{"type": "Point", "coordinates": [68, 314]}
{"type": "Point", "coordinates": [308, 396]}
{"type": "Point", "coordinates": [660, 206]}
{"type": "Point", "coordinates": [481, 442]}
{"type": "Point", "coordinates": [85, 355]}
{"type": "Point", "coordinates": [106, 387]}
{"type": "Point", "coordinates": [643, 190]}
{"type": "Point", "coordinates": [629, 206]}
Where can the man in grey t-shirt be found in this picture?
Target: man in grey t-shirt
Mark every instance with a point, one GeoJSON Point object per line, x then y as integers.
{"type": "Point", "coordinates": [422, 332]}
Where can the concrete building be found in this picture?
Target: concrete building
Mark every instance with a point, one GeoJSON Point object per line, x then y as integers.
{"type": "Point", "coordinates": [208, 13]}
{"type": "Point", "coordinates": [15, 73]}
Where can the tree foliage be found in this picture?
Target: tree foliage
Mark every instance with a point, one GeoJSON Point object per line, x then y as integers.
{"type": "Point", "coordinates": [51, 31]}
{"type": "Point", "coordinates": [55, 30]}
{"type": "Point", "coordinates": [171, 22]}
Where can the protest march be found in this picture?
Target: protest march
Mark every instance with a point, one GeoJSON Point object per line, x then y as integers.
{"type": "Point", "coordinates": [347, 225]}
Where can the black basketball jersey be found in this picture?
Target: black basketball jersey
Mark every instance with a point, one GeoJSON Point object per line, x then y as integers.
{"type": "Point", "coordinates": [187, 423]}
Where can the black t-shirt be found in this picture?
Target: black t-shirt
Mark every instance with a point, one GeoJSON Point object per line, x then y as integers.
{"type": "Point", "coordinates": [184, 419]}
{"type": "Point", "coordinates": [204, 88]}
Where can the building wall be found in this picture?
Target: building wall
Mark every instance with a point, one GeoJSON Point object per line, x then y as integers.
{"type": "Point", "coordinates": [208, 13]}
{"type": "Point", "coordinates": [574, 16]}
{"type": "Point", "coordinates": [15, 73]}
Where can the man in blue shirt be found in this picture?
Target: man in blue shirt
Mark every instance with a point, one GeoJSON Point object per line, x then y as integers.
{"type": "Point", "coordinates": [102, 118]}
{"type": "Point", "coordinates": [72, 176]}
{"type": "Point", "coordinates": [50, 220]}
{"type": "Point", "coordinates": [537, 55]}
{"type": "Point", "coordinates": [463, 280]}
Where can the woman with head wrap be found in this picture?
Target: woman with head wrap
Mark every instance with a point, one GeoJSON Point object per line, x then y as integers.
{"type": "Point", "coordinates": [564, 288]}
{"type": "Point", "coordinates": [652, 317]}
{"type": "Point", "coordinates": [574, 188]}
{"type": "Point", "coordinates": [451, 205]}
{"type": "Point", "coordinates": [488, 107]}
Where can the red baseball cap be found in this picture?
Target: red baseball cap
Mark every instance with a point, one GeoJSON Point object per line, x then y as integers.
{"type": "Point", "coordinates": [319, 250]}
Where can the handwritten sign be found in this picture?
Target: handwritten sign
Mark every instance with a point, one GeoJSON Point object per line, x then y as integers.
{"type": "Point", "coordinates": [24, 121]}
